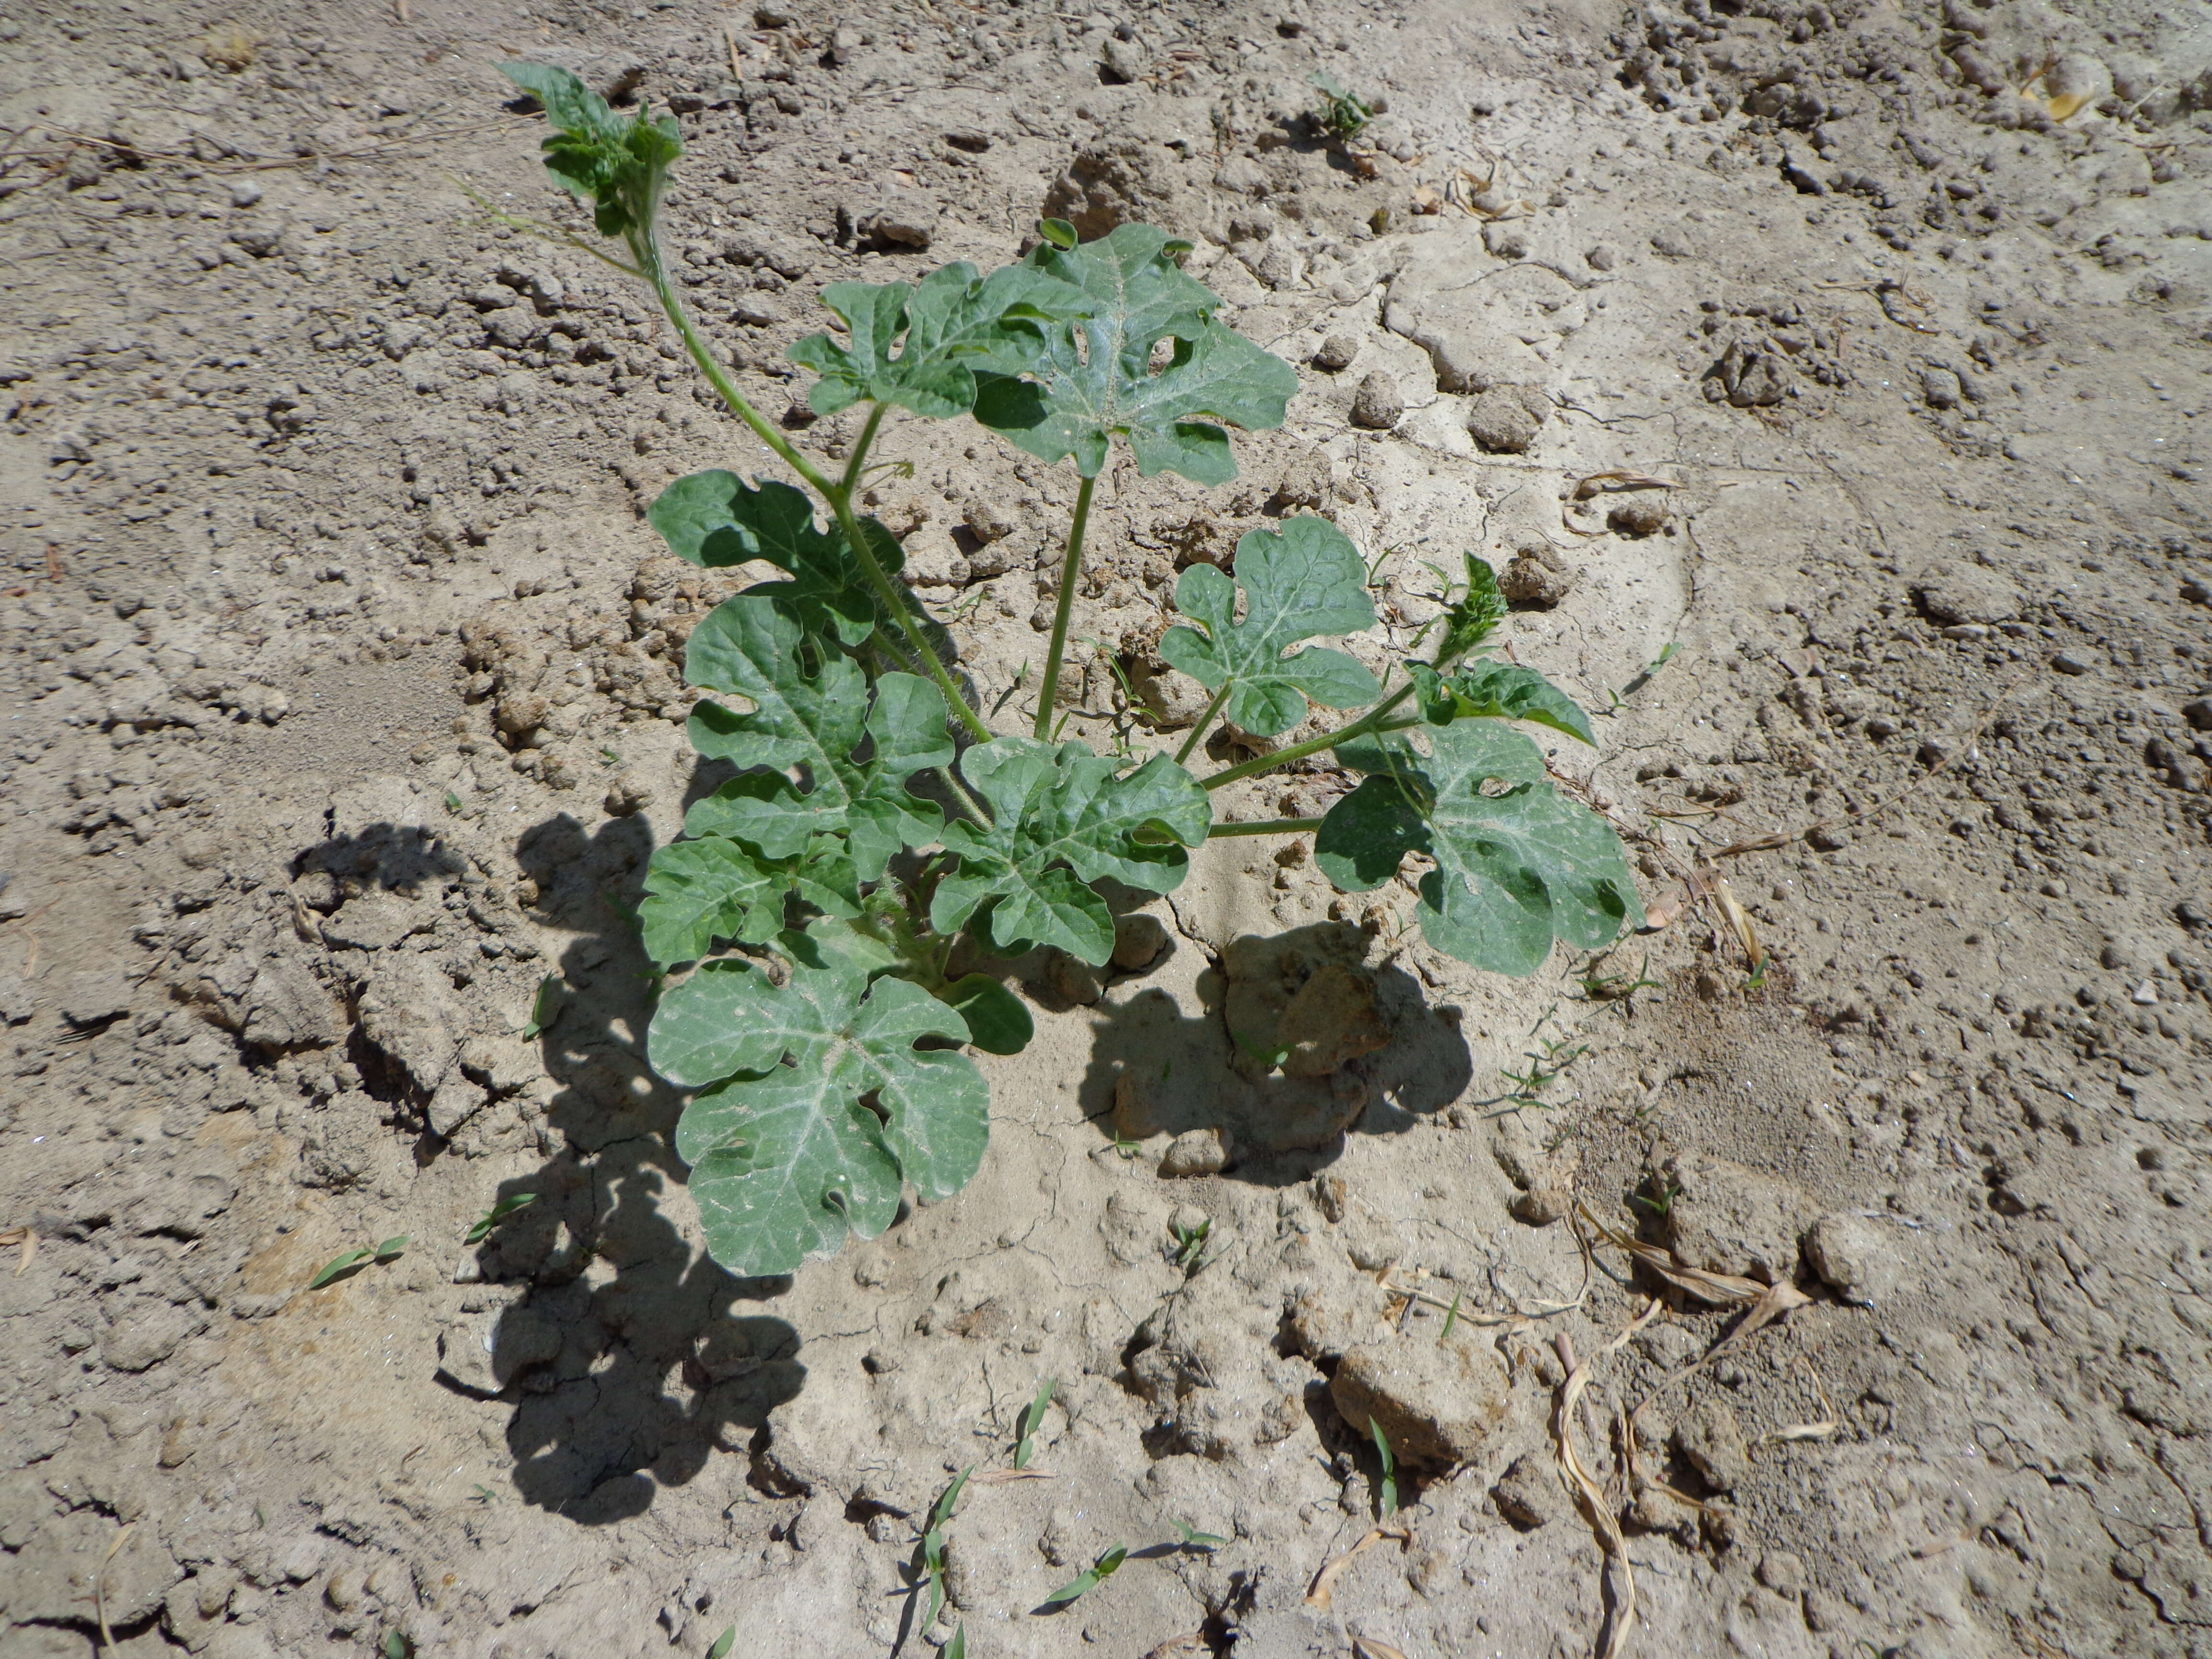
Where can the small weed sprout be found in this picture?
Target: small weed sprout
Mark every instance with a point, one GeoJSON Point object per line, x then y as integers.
{"type": "Point", "coordinates": [832, 695]}
{"type": "Point", "coordinates": [1189, 1242]}
{"type": "Point", "coordinates": [1032, 1419]}
{"type": "Point", "coordinates": [1344, 114]}
{"type": "Point", "coordinates": [497, 1213]}
{"type": "Point", "coordinates": [1386, 1494]}
{"type": "Point", "coordinates": [1088, 1580]}
{"type": "Point", "coordinates": [1544, 1064]}
{"type": "Point", "coordinates": [1664, 1206]}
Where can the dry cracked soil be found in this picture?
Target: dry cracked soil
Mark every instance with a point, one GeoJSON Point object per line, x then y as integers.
{"type": "Point", "coordinates": [1824, 377]}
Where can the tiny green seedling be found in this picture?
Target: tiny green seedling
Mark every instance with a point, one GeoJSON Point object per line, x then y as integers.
{"type": "Point", "coordinates": [1619, 988]}
{"type": "Point", "coordinates": [608, 757]}
{"type": "Point", "coordinates": [396, 1646]}
{"type": "Point", "coordinates": [1190, 1242]}
{"type": "Point", "coordinates": [877, 827]}
{"type": "Point", "coordinates": [1546, 1063]}
{"type": "Point", "coordinates": [1451, 1316]}
{"type": "Point", "coordinates": [498, 1213]}
{"type": "Point", "coordinates": [1271, 1058]}
{"type": "Point", "coordinates": [728, 1639]}
{"type": "Point", "coordinates": [1344, 114]}
{"type": "Point", "coordinates": [1643, 678]}
{"type": "Point", "coordinates": [957, 1647]}
{"type": "Point", "coordinates": [931, 1550]}
{"type": "Point", "coordinates": [1032, 1419]}
{"type": "Point", "coordinates": [1664, 1206]}
{"type": "Point", "coordinates": [346, 1266]}
{"type": "Point", "coordinates": [452, 801]}
{"type": "Point", "coordinates": [481, 1493]}
{"type": "Point", "coordinates": [1194, 1540]}
{"type": "Point", "coordinates": [1386, 1495]}
{"type": "Point", "coordinates": [544, 1007]}
{"type": "Point", "coordinates": [1088, 1580]}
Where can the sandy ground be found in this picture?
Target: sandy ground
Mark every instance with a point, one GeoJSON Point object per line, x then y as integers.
{"type": "Point", "coordinates": [343, 706]}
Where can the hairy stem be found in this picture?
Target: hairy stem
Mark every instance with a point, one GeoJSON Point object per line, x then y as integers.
{"type": "Point", "coordinates": [1204, 721]}
{"type": "Point", "coordinates": [838, 497]}
{"type": "Point", "coordinates": [1264, 827]}
{"type": "Point", "coordinates": [671, 303]}
{"type": "Point", "coordinates": [1070, 568]}
{"type": "Point", "coordinates": [1373, 720]}
{"type": "Point", "coordinates": [861, 446]}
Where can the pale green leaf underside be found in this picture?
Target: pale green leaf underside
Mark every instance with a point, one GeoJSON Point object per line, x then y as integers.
{"type": "Point", "coordinates": [954, 324]}
{"type": "Point", "coordinates": [1305, 581]}
{"type": "Point", "coordinates": [712, 888]}
{"type": "Point", "coordinates": [716, 520]}
{"type": "Point", "coordinates": [1487, 690]}
{"type": "Point", "coordinates": [1061, 820]}
{"type": "Point", "coordinates": [786, 1159]}
{"type": "Point", "coordinates": [750, 647]}
{"type": "Point", "coordinates": [1513, 870]}
{"type": "Point", "coordinates": [1083, 394]}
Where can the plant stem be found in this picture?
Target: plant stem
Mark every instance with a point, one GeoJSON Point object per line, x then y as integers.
{"type": "Point", "coordinates": [861, 446]}
{"type": "Point", "coordinates": [1070, 568]}
{"type": "Point", "coordinates": [840, 496]}
{"type": "Point", "coordinates": [1373, 720]}
{"type": "Point", "coordinates": [671, 303]}
{"type": "Point", "coordinates": [1204, 721]}
{"type": "Point", "coordinates": [1264, 827]}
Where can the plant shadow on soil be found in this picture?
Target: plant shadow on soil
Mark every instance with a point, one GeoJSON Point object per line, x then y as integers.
{"type": "Point", "coordinates": [1156, 1070]}
{"type": "Point", "coordinates": [631, 1359]}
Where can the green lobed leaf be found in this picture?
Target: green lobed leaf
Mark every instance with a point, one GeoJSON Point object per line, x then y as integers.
{"type": "Point", "coordinates": [1487, 690]}
{"type": "Point", "coordinates": [617, 165]}
{"type": "Point", "coordinates": [711, 888]}
{"type": "Point", "coordinates": [787, 1157]}
{"type": "Point", "coordinates": [750, 647]}
{"type": "Point", "coordinates": [716, 520]}
{"type": "Point", "coordinates": [1062, 819]}
{"type": "Point", "coordinates": [1513, 870]}
{"type": "Point", "coordinates": [1094, 377]}
{"type": "Point", "coordinates": [953, 324]}
{"type": "Point", "coordinates": [1305, 581]}
{"type": "Point", "coordinates": [998, 1021]}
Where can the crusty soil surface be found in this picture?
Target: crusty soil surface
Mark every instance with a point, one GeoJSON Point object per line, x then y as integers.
{"type": "Point", "coordinates": [343, 706]}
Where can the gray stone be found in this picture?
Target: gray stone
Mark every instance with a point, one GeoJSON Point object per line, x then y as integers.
{"type": "Point", "coordinates": [1196, 1153]}
{"type": "Point", "coordinates": [1711, 1438]}
{"type": "Point", "coordinates": [146, 1334]}
{"type": "Point", "coordinates": [50, 1580]}
{"type": "Point", "coordinates": [286, 1006]}
{"type": "Point", "coordinates": [903, 219]}
{"type": "Point", "coordinates": [377, 921]}
{"type": "Point", "coordinates": [1139, 939]}
{"type": "Point", "coordinates": [456, 1102]}
{"type": "Point", "coordinates": [1504, 420]}
{"type": "Point", "coordinates": [1336, 353]}
{"type": "Point", "coordinates": [402, 1013]}
{"type": "Point", "coordinates": [94, 997]}
{"type": "Point", "coordinates": [1726, 1219]}
{"type": "Point", "coordinates": [1378, 403]}
{"type": "Point", "coordinates": [1123, 62]}
{"type": "Point", "coordinates": [1435, 1402]}
{"type": "Point", "coordinates": [1530, 1492]}
{"type": "Point", "coordinates": [1940, 388]}
{"type": "Point", "coordinates": [16, 1002]}
{"type": "Point", "coordinates": [1642, 512]}
{"type": "Point", "coordinates": [1855, 1257]}
{"type": "Point", "coordinates": [1966, 593]}
{"type": "Point", "coordinates": [1537, 576]}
